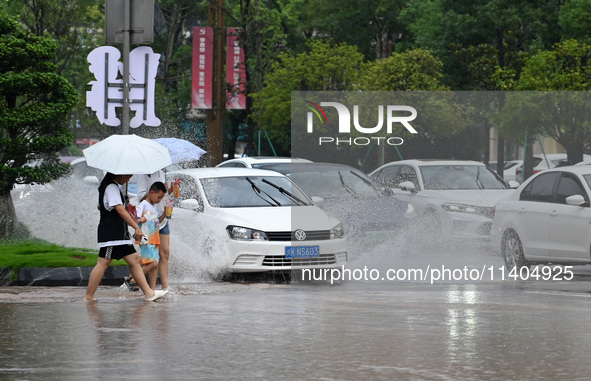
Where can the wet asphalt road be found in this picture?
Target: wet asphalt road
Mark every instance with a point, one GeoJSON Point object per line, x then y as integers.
{"type": "Point", "coordinates": [490, 329]}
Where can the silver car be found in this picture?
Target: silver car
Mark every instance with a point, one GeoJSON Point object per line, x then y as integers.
{"type": "Point", "coordinates": [452, 196]}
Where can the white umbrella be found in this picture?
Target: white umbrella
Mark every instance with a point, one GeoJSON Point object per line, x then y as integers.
{"type": "Point", "coordinates": [127, 155]}
{"type": "Point", "coordinates": [181, 151]}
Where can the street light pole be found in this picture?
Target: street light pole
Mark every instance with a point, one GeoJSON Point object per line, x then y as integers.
{"type": "Point", "coordinates": [126, 47]}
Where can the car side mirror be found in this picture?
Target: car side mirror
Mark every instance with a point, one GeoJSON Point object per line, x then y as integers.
{"type": "Point", "coordinates": [407, 186]}
{"type": "Point", "coordinates": [317, 200]}
{"type": "Point", "coordinates": [192, 204]}
{"type": "Point", "coordinates": [513, 184]}
{"type": "Point", "coordinates": [576, 200]}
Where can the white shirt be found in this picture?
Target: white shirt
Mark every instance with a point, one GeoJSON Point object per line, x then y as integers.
{"type": "Point", "coordinates": [112, 197]}
{"type": "Point", "coordinates": [144, 182]}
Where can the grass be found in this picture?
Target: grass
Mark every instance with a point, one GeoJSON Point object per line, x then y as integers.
{"type": "Point", "coordinates": [17, 254]}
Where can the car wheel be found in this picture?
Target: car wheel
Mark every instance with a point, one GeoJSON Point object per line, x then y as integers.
{"type": "Point", "coordinates": [512, 251]}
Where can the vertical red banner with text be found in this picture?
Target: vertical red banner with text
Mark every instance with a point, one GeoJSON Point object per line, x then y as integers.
{"type": "Point", "coordinates": [202, 84]}
{"type": "Point", "coordinates": [235, 71]}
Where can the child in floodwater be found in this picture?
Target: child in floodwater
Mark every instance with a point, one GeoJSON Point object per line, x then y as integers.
{"type": "Point", "coordinates": [143, 185]}
{"type": "Point", "coordinates": [149, 222]}
{"type": "Point", "coordinates": [114, 240]}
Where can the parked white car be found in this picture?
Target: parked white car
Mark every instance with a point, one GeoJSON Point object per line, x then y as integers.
{"type": "Point", "coordinates": [546, 220]}
{"type": "Point", "coordinates": [541, 163]}
{"type": "Point", "coordinates": [260, 161]}
{"type": "Point", "coordinates": [255, 220]}
{"type": "Point", "coordinates": [456, 197]}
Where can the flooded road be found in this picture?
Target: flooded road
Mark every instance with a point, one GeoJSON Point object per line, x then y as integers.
{"type": "Point", "coordinates": [491, 330]}
{"type": "Point", "coordinates": [412, 308]}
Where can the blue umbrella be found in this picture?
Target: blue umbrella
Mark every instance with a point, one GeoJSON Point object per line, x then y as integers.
{"type": "Point", "coordinates": [181, 151]}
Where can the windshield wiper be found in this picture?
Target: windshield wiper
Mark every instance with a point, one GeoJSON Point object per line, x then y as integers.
{"type": "Point", "coordinates": [478, 182]}
{"type": "Point", "coordinates": [362, 178]}
{"type": "Point", "coordinates": [347, 188]}
{"type": "Point", "coordinates": [258, 192]}
{"type": "Point", "coordinates": [285, 192]}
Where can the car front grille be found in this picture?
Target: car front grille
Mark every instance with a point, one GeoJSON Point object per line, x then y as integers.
{"type": "Point", "coordinates": [277, 261]}
{"type": "Point", "coordinates": [314, 235]}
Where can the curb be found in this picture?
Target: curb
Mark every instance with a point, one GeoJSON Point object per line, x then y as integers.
{"type": "Point", "coordinates": [61, 276]}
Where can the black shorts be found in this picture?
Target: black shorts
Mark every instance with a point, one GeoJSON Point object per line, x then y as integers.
{"type": "Point", "coordinates": [116, 252]}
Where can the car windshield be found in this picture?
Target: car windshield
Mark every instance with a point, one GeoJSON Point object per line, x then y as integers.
{"type": "Point", "coordinates": [446, 177]}
{"type": "Point", "coordinates": [588, 179]}
{"type": "Point", "coordinates": [328, 184]}
{"type": "Point", "coordinates": [252, 191]}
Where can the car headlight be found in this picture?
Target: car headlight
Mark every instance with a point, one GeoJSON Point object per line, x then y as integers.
{"type": "Point", "coordinates": [337, 232]}
{"type": "Point", "coordinates": [238, 232]}
{"type": "Point", "coordinates": [471, 209]}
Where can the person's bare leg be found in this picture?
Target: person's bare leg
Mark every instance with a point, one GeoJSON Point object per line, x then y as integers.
{"type": "Point", "coordinates": [164, 257]}
{"type": "Point", "coordinates": [138, 274]}
{"type": "Point", "coordinates": [146, 268]}
{"type": "Point", "coordinates": [96, 276]}
{"type": "Point", "coordinates": [152, 274]}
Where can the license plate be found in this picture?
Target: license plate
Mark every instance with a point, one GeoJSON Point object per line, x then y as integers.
{"type": "Point", "coordinates": [302, 251]}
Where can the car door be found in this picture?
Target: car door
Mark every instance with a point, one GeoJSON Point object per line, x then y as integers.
{"type": "Point", "coordinates": [536, 202]}
{"type": "Point", "coordinates": [569, 225]}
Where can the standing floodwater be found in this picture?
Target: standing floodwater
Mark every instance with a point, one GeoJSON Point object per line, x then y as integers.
{"type": "Point", "coordinates": [354, 331]}
{"type": "Point", "coordinates": [485, 328]}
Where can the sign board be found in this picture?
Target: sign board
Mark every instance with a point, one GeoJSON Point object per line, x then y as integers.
{"type": "Point", "coordinates": [202, 82]}
{"type": "Point", "coordinates": [106, 92]}
{"type": "Point", "coordinates": [235, 71]}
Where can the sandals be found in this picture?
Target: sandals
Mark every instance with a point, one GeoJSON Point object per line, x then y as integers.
{"type": "Point", "coordinates": [130, 283]}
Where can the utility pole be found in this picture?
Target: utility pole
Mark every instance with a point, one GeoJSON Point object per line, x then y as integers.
{"type": "Point", "coordinates": [126, 48]}
{"type": "Point", "coordinates": [215, 116]}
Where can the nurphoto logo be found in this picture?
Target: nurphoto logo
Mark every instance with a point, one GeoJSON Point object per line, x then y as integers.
{"type": "Point", "coordinates": [389, 113]}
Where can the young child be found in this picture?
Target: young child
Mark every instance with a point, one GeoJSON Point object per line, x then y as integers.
{"type": "Point", "coordinates": [149, 224]}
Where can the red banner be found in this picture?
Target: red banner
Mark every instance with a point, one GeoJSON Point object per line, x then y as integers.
{"type": "Point", "coordinates": [202, 84]}
{"type": "Point", "coordinates": [235, 71]}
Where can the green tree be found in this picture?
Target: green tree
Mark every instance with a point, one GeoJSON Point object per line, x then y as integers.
{"type": "Point", "coordinates": [34, 104]}
{"type": "Point", "coordinates": [267, 30]}
{"type": "Point", "coordinates": [372, 25]}
{"type": "Point", "coordinates": [575, 19]}
{"type": "Point", "coordinates": [415, 69]}
{"type": "Point", "coordinates": [78, 27]}
{"type": "Point", "coordinates": [325, 67]}
{"type": "Point", "coordinates": [172, 19]}
{"type": "Point", "coordinates": [564, 116]}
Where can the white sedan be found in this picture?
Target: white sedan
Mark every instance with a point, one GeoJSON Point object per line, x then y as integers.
{"type": "Point", "coordinates": [253, 220]}
{"type": "Point", "coordinates": [547, 219]}
{"type": "Point", "coordinates": [453, 196]}
{"type": "Point", "coordinates": [259, 161]}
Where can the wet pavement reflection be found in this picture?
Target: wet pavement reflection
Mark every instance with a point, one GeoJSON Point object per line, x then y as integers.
{"type": "Point", "coordinates": [350, 331]}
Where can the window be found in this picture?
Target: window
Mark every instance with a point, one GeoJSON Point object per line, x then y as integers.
{"type": "Point", "coordinates": [569, 185]}
{"type": "Point", "coordinates": [389, 175]}
{"type": "Point", "coordinates": [540, 189]}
